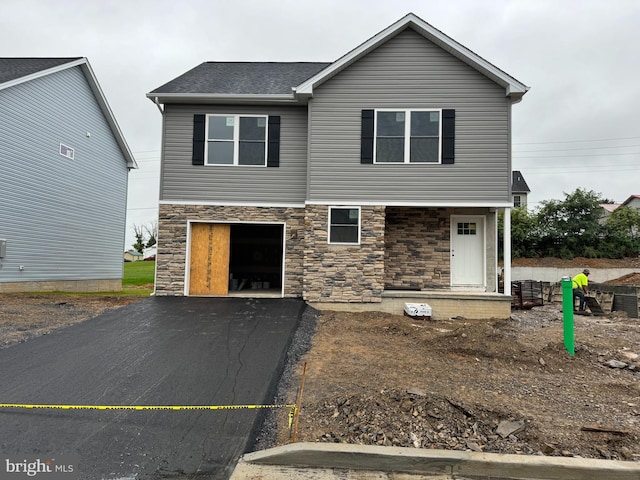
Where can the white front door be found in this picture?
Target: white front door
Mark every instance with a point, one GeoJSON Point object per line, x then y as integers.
{"type": "Point", "coordinates": [468, 252]}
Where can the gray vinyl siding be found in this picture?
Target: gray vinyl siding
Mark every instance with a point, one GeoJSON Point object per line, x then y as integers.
{"type": "Point", "coordinates": [63, 219]}
{"type": "Point", "coordinates": [410, 72]}
{"type": "Point", "coordinates": [182, 181]}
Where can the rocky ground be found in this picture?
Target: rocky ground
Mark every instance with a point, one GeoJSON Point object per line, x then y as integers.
{"type": "Point", "coordinates": [500, 385]}
{"type": "Point", "coordinates": [506, 386]}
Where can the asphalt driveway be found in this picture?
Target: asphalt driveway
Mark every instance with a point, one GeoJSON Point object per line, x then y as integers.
{"type": "Point", "coordinates": [161, 351]}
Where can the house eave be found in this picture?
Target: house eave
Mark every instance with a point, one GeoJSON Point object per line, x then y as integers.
{"type": "Point", "coordinates": [209, 98]}
{"type": "Point", "coordinates": [513, 88]}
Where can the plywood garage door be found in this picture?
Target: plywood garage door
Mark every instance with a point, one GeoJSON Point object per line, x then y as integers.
{"type": "Point", "coordinates": [209, 267]}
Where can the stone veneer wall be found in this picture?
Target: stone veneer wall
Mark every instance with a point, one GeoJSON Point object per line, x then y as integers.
{"type": "Point", "coordinates": [172, 241]}
{"type": "Point", "coordinates": [344, 273]}
{"type": "Point", "coordinates": [417, 248]}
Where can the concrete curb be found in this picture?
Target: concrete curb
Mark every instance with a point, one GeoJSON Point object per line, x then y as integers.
{"type": "Point", "coordinates": [310, 456]}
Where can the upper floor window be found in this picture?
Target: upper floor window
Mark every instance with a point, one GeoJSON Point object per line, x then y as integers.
{"type": "Point", "coordinates": [408, 136]}
{"type": "Point", "coordinates": [237, 140]}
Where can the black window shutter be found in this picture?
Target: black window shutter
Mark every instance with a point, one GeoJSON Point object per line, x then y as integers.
{"type": "Point", "coordinates": [366, 139]}
{"type": "Point", "coordinates": [448, 136]}
{"type": "Point", "coordinates": [273, 147]}
{"type": "Point", "coordinates": [197, 155]}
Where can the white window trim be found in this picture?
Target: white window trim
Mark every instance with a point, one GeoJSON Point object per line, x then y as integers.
{"type": "Point", "coordinates": [347, 207]}
{"type": "Point", "coordinates": [67, 151]}
{"type": "Point", "coordinates": [407, 135]}
{"type": "Point", "coordinates": [519, 197]}
{"type": "Point", "coordinates": [236, 140]}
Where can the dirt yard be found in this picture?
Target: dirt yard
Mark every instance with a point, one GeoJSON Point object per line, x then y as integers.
{"type": "Point", "coordinates": [24, 316]}
{"type": "Point", "coordinates": [503, 385]}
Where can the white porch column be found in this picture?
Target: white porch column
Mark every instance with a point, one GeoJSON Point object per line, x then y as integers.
{"type": "Point", "coordinates": [507, 250]}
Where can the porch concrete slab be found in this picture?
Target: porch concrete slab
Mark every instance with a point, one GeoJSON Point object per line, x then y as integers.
{"type": "Point", "coordinates": [344, 461]}
{"type": "Point", "coordinates": [445, 304]}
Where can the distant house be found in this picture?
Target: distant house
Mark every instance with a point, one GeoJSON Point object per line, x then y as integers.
{"type": "Point", "coordinates": [63, 183]}
{"type": "Point", "coordinates": [133, 256]}
{"type": "Point", "coordinates": [376, 179]}
{"type": "Point", "coordinates": [632, 202]}
{"type": "Point", "coordinates": [607, 210]}
{"type": "Point", "coordinates": [149, 252]}
{"type": "Point", "coordinates": [519, 189]}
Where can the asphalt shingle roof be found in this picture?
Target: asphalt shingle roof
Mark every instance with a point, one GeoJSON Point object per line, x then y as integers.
{"type": "Point", "coordinates": [242, 78]}
{"type": "Point", "coordinates": [14, 68]}
{"type": "Point", "coordinates": [518, 183]}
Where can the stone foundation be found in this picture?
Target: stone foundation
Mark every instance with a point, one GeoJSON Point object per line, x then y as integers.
{"type": "Point", "coordinates": [401, 248]}
{"type": "Point", "coordinates": [96, 285]}
{"type": "Point", "coordinates": [417, 248]}
{"type": "Point", "coordinates": [172, 241]}
{"type": "Point", "coordinates": [344, 273]}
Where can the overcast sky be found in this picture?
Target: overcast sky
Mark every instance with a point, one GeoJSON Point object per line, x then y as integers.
{"type": "Point", "coordinates": [578, 126]}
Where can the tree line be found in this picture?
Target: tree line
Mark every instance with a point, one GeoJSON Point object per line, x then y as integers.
{"type": "Point", "coordinates": [146, 236]}
{"type": "Point", "coordinates": [574, 227]}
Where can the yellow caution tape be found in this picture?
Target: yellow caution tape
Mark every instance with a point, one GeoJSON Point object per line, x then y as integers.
{"type": "Point", "coordinates": [145, 407]}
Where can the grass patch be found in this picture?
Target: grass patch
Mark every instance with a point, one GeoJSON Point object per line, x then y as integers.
{"type": "Point", "coordinates": [138, 274]}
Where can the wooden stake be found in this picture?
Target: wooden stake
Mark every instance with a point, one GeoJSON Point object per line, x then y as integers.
{"type": "Point", "coordinates": [294, 435]}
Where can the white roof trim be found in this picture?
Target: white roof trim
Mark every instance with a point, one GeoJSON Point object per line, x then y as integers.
{"type": "Point", "coordinates": [164, 98]}
{"type": "Point", "coordinates": [513, 87]}
{"type": "Point", "coordinates": [223, 203]}
{"type": "Point", "coordinates": [409, 203]}
{"type": "Point", "coordinates": [83, 63]}
{"type": "Point", "coordinates": [42, 73]}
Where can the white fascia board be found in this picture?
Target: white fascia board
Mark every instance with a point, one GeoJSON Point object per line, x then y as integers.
{"type": "Point", "coordinates": [109, 116]}
{"type": "Point", "coordinates": [513, 87]}
{"type": "Point", "coordinates": [232, 204]}
{"type": "Point", "coordinates": [43, 73]}
{"type": "Point", "coordinates": [352, 202]}
{"type": "Point", "coordinates": [205, 98]}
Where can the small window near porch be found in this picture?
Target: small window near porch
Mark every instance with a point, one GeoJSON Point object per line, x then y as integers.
{"type": "Point", "coordinates": [344, 225]}
{"type": "Point", "coordinates": [466, 228]}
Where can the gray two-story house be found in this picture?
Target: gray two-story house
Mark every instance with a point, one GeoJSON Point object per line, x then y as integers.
{"type": "Point", "coordinates": [63, 181]}
{"type": "Point", "coordinates": [372, 180]}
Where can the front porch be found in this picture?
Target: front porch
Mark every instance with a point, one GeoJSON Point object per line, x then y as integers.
{"type": "Point", "coordinates": [445, 304]}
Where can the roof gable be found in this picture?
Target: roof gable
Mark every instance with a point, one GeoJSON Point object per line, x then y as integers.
{"type": "Point", "coordinates": [513, 88]}
{"type": "Point", "coordinates": [255, 82]}
{"type": "Point", "coordinates": [14, 71]}
{"type": "Point", "coordinates": [518, 183]}
{"type": "Point", "coordinates": [631, 199]}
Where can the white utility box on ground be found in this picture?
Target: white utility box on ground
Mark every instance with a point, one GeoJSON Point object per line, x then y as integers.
{"type": "Point", "coordinates": [418, 310]}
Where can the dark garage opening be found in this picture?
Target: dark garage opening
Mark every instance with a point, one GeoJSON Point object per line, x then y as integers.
{"type": "Point", "coordinates": [255, 264]}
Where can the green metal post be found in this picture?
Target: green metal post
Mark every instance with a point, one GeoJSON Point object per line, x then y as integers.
{"type": "Point", "coordinates": [567, 310]}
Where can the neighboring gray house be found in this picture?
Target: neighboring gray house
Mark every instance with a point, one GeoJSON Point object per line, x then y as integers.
{"type": "Point", "coordinates": [375, 179]}
{"type": "Point", "coordinates": [63, 178]}
{"type": "Point", "coordinates": [519, 189]}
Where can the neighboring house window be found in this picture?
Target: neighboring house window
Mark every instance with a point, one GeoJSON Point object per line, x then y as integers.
{"type": "Point", "coordinates": [517, 201]}
{"type": "Point", "coordinates": [252, 140]}
{"type": "Point", "coordinates": [408, 136]}
{"type": "Point", "coordinates": [236, 140]}
{"type": "Point", "coordinates": [344, 225]}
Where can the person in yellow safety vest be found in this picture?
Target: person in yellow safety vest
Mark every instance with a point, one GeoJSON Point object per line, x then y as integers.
{"type": "Point", "coordinates": [580, 283]}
